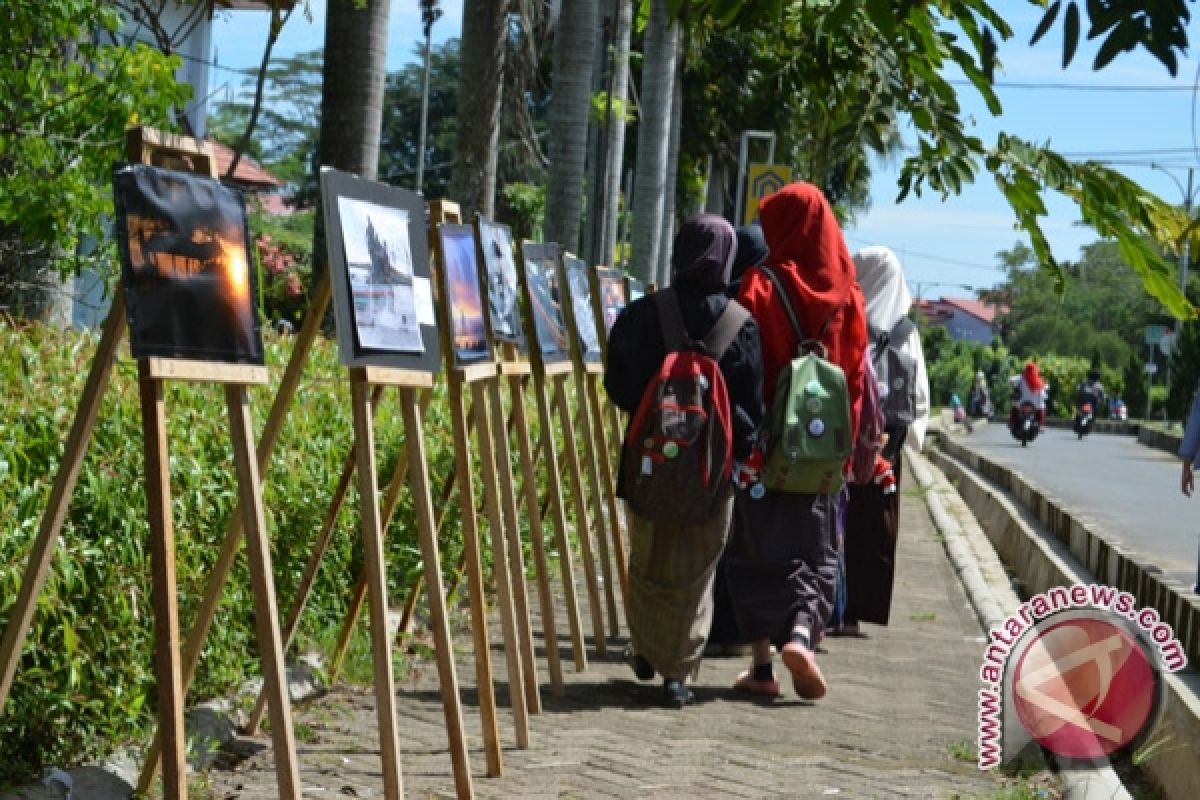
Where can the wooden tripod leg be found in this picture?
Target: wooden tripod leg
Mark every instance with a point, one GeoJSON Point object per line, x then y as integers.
{"type": "Point", "coordinates": [475, 596]}
{"type": "Point", "coordinates": [516, 385]}
{"type": "Point", "coordinates": [590, 447]}
{"type": "Point", "coordinates": [583, 525]}
{"type": "Point", "coordinates": [610, 488]}
{"type": "Point", "coordinates": [559, 518]}
{"type": "Point", "coordinates": [193, 646]}
{"type": "Point", "coordinates": [20, 616]}
{"type": "Point", "coordinates": [320, 548]}
{"type": "Point", "coordinates": [262, 581]}
{"type": "Point", "coordinates": [500, 567]}
{"type": "Point", "coordinates": [447, 678]}
{"type": "Point", "coordinates": [166, 610]}
{"type": "Point", "coordinates": [376, 569]}
{"type": "Point", "coordinates": [516, 560]}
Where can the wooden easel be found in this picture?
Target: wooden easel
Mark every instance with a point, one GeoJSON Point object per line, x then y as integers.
{"type": "Point", "coordinates": [551, 402]}
{"type": "Point", "coordinates": [473, 378]}
{"type": "Point", "coordinates": [608, 444]}
{"type": "Point", "coordinates": [178, 152]}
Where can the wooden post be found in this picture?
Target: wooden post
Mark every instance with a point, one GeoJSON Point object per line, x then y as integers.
{"type": "Point", "coordinates": [593, 455]}
{"type": "Point", "coordinates": [603, 456]}
{"type": "Point", "coordinates": [163, 588]}
{"type": "Point", "coordinates": [258, 548]}
{"type": "Point", "coordinates": [500, 566]}
{"type": "Point", "coordinates": [470, 534]}
{"type": "Point", "coordinates": [516, 388]}
{"type": "Point", "coordinates": [516, 565]}
{"type": "Point", "coordinates": [376, 569]}
{"type": "Point", "coordinates": [447, 679]}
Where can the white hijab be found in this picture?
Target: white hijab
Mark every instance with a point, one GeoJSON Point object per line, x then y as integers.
{"type": "Point", "coordinates": [888, 300]}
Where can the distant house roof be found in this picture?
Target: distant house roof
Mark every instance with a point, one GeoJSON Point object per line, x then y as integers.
{"type": "Point", "coordinates": [249, 173]}
{"type": "Point", "coordinates": [981, 311]}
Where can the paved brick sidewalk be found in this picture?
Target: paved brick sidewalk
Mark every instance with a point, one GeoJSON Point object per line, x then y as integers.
{"type": "Point", "coordinates": [901, 703]}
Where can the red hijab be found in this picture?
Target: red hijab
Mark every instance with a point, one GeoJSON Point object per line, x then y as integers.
{"type": "Point", "coordinates": [1033, 378]}
{"type": "Point", "coordinates": [809, 255]}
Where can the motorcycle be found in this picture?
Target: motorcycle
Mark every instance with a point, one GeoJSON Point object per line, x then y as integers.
{"type": "Point", "coordinates": [1025, 428]}
{"type": "Point", "coordinates": [1084, 417]}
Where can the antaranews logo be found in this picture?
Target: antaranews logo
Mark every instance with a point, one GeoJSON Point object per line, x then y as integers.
{"type": "Point", "coordinates": [1078, 670]}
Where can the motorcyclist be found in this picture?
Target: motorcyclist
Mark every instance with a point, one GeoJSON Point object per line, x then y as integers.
{"type": "Point", "coordinates": [1091, 391]}
{"type": "Point", "coordinates": [979, 401]}
{"type": "Point", "coordinates": [1028, 388]}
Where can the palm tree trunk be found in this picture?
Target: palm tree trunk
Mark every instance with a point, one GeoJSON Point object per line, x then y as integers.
{"type": "Point", "coordinates": [615, 155]}
{"type": "Point", "coordinates": [569, 106]}
{"type": "Point", "coordinates": [668, 220]}
{"type": "Point", "coordinates": [351, 96]}
{"type": "Point", "coordinates": [484, 36]}
{"type": "Point", "coordinates": [658, 76]}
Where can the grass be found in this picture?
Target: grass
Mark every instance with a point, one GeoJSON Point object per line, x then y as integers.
{"type": "Point", "coordinates": [923, 616]}
{"type": "Point", "coordinates": [963, 750]}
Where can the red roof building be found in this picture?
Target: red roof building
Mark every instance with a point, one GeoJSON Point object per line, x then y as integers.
{"type": "Point", "coordinates": [963, 318]}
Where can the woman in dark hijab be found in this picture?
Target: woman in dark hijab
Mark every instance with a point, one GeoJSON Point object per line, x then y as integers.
{"type": "Point", "coordinates": [671, 565]}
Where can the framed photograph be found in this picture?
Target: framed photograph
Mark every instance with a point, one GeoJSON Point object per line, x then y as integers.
{"type": "Point", "coordinates": [500, 277]}
{"type": "Point", "coordinates": [543, 299]}
{"type": "Point", "coordinates": [634, 289]}
{"type": "Point", "coordinates": [185, 269]}
{"type": "Point", "coordinates": [462, 293]}
{"type": "Point", "coordinates": [608, 292]}
{"type": "Point", "coordinates": [379, 271]}
{"type": "Point", "coordinates": [579, 296]}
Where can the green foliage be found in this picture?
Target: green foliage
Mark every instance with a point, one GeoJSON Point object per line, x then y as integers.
{"type": "Point", "coordinates": [524, 208]}
{"type": "Point", "coordinates": [1185, 370]}
{"type": "Point", "coordinates": [402, 120]}
{"type": "Point", "coordinates": [1134, 388]}
{"type": "Point", "coordinates": [66, 98]}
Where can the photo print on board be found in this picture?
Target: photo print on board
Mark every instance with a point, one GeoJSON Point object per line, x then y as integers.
{"type": "Point", "coordinates": [379, 267]}
{"type": "Point", "coordinates": [468, 333]}
{"type": "Point", "coordinates": [611, 287]}
{"type": "Point", "coordinates": [634, 289]}
{"type": "Point", "coordinates": [188, 285]}
{"type": "Point", "coordinates": [541, 276]}
{"type": "Point", "coordinates": [579, 291]}
{"type": "Point", "coordinates": [504, 311]}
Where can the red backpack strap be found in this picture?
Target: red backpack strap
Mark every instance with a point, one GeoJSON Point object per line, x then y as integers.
{"type": "Point", "coordinates": [670, 320]}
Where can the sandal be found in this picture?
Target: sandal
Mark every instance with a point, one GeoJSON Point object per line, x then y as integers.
{"type": "Point", "coordinates": [807, 679]}
{"type": "Point", "coordinates": [746, 682]}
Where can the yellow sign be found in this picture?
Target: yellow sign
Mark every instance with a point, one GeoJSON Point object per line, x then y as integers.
{"type": "Point", "coordinates": [762, 180]}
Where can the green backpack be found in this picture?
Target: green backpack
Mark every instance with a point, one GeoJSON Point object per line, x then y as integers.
{"type": "Point", "coordinates": [808, 425]}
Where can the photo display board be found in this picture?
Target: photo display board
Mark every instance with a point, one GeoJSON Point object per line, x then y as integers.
{"type": "Point", "coordinates": [608, 295]}
{"type": "Point", "coordinates": [379, 272]}
{"type": "Point", "coordinates": [500, 277]}
{"type": "Point", "coordinates": [543, 299]}
{"type": "Point", "coordinates": [463, 294]}
{"type": "Point", "coordinates": [579, 294]}
{"type": "Point", "coordinates": [189, 289]}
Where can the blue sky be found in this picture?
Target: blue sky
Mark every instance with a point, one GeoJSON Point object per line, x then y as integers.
{"type": "Point", "coordinates": [943, 245]}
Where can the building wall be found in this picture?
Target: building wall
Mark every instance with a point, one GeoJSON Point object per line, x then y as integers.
{"type": "Point", "coordinates": [965, 327]}
{"type": "Point", "coordinates": [195, 52]}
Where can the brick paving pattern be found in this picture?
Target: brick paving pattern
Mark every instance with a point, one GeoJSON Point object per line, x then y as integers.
{"type": "Point", "coordinates": [901, 704]}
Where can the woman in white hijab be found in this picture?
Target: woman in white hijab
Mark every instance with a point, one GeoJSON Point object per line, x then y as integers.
{"type": "Point", "coordinates": [873, 510]}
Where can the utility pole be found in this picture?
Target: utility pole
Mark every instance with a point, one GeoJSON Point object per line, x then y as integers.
{"type": "Point", "coordinates": [430, 13]}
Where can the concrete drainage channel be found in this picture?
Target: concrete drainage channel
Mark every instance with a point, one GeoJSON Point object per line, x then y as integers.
{"type": "Point", "coordinates": [988, 514]}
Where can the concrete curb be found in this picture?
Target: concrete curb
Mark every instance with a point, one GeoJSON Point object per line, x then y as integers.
{"type": "Point", "coordinates": [1160, 440]}
{"type": "Point", "coordinates": [994, 600]}
{"type": "Point", "coordinates": [1047, 546]}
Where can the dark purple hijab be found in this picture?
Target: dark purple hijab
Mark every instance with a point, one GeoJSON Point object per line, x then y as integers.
{"type": "Point", "coordinates": [703, 254]}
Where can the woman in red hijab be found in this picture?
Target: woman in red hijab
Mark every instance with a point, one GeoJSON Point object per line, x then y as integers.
{"type": "Point", "coordinates": [782, 566]}
{"type": "Point", "coordinates": [1029, 388]}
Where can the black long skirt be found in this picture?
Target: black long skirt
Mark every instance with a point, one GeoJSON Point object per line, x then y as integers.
{"type": "Point", "coordinates": [869, 549]}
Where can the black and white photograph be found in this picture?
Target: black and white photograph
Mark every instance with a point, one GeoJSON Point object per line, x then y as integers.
{"type": "Point", "coordinates": [504, 311]}
{"type": "Point", "coordinates": [545, 298]}
{"type": "Point", "coordinates": [380, 270]}
{"type": "Point", "coordinates": [579, 292]}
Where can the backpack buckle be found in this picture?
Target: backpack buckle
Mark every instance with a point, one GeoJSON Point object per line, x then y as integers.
{"type": "Point", "coordinates": [807, 346]}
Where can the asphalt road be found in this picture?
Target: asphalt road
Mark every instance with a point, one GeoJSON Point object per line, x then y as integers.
{"type": "Point", "coordinates": [1127, 491]}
